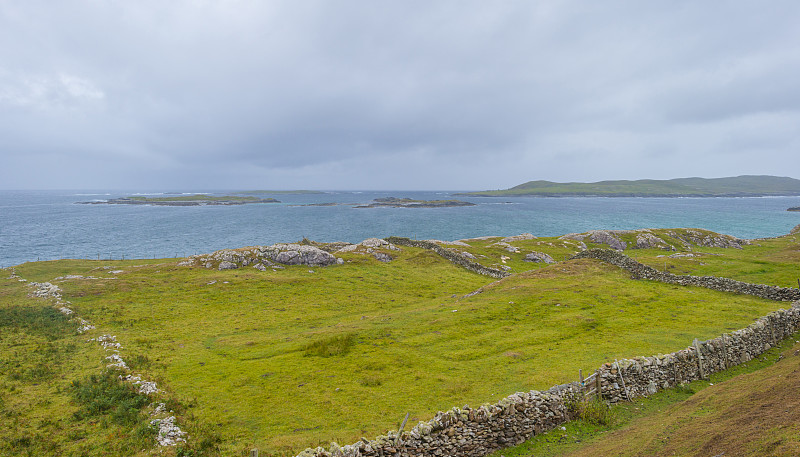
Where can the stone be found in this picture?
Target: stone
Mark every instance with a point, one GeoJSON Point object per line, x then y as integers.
{"type": "Point", "coordinates": [647, 240]}
{"type": "Point", "coordinates": [382, 256]}
{"type": "Point", "coordinates": [506, 246]}
{"type": "Point", "coordinates": [607, 237]}
{"type": "Point", "coordinates": [522, 237]}
{"type": "Point", "coordinates": [296, 254]}
{"type": "Point", "coordinates": [225, 265]}
{"type": "Point", "coordinates": [538, 257]}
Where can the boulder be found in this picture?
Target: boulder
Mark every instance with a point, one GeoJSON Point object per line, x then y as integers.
{"type": "Point", "coordinates": [225, 265]}
{"type": "Point", "coordinates": [646, 240]}
{"type": "Point", "coordinates": [382, 256]}
{"type": "Point", "coordinates": [538, 257]}
{"type": "Point", "coordinates": [296, 254]}
{"type": "Point", "coordinates": [609, 238]}
{"type": "Point", "coordinates": [506, 246]}
{"type": "Point", "coordinates": [522, 237]}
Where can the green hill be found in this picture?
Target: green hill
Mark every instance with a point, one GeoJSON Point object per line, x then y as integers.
{"type": "Point", "coordinates": [739, 186]}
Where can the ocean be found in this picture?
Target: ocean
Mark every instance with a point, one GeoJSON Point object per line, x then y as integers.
{"type": "Point", "coordinates": [47, 225]}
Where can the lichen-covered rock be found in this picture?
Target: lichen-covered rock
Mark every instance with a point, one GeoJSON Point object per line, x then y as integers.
{"type": "Point", "coordinates": [506, 246]}
{"type": "Point", "coordinates": [646, 240]}
{"type": "Point", "coordinates": [607, 237]}
{"type": "Point", "coordinates": [382, 256]}
{"type": "Point", "coordinates": [522, 237]}
{"type": "Point", "coordinates": [707, 239]}
{"type": "Point", "coordinates": [296, 254]}
{"type": "Point", "coordinates": [226, 265]}
{"type": "Point", "coordinates": [451, 243]}
{"type": "Point", "coordinates": [538, 257]}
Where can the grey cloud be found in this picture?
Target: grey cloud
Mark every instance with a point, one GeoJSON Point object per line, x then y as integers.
{"type": "Point", "coordinates": [293, 88]}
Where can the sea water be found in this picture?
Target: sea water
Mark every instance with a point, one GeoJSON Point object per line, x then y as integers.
{"type": "Point", "coordinates": [46, 225]}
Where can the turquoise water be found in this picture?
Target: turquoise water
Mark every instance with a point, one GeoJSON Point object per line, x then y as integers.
{"type": "Point", "coordinates": [45, 225]}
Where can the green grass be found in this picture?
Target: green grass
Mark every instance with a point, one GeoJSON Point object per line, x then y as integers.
{"type": "Point", "coordinates": [304, 356]}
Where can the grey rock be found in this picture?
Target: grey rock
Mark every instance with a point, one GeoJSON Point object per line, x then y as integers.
{"type": "Point", "coordinates": [383, 257]}
{"type": "Point", "coordinates": [296, 254]}
{"type": "Point", "coordinates": [522, 237]}
{"type": "Point", "coordinates": [538, 257]}
{"type": "Point", "coordinates": [506, 246]}
{"type": "Point", "coordinates": [607, 237]}
{"type": "Point", "coordinates": [646, 240]}
{"type": "Point", "coordinates": [225, 265]}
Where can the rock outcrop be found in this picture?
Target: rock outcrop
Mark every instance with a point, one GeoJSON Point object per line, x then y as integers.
{"type": "Point", "coordinates": [646, 239]}
{"type": "Point", "coordinates": [506, 246]}
{"type": "Point", "coordinates": [522, 237]}
{"type": "Point", "coordinates": [609, 237]}
{"type": "Point", "coordinates": [538, 257]}
{"type": "Point", "coordinates": [707, 239]}
{"type": "Point", "coordinates": [262, 257]}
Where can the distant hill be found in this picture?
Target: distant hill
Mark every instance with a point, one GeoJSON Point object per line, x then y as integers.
{"type": "Point", "coordinates": [739, 186]}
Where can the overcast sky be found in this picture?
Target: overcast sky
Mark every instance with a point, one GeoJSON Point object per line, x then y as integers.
{"type": "Point", "coordinates": [185, 94]}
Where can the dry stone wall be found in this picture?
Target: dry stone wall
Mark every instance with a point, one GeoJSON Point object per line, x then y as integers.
{"type": "Point", "coordinates": [642, 376]}
{"type": "Point", "coordinates": [452, 256]}
{"type": "Point", "coordinates": [640, 271]}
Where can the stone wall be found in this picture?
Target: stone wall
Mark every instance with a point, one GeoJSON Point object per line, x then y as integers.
{"type": "Point", "coordinates": [642, 376]}
{"type": "Point", "coordinates": [454, 257]}
{"type": "Point", "coordinates": [640, 271]}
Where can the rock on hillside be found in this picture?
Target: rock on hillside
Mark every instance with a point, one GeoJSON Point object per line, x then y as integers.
{"type": "Point", "coordinates": [609, 237]}
{"type": "Point", "coordinates": [375, 246]}
{"type": "Point", "coordinates": [538, 257]}
{"type": "Point", "coordinates": [261, 257]}
{"type": "Point", "coordinates": [524, 236]}
{"type": "Point", "coordinates": [795, 230]}
{"type": "Point", "coordinates": [647, 239]}
{"type": "Point", "coordinates": [707, 239]}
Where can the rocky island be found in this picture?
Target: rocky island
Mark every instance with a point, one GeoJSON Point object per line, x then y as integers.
{"type": "Point", "coordinates": [183, 200]}
{"type": "Point", "coordinates": [794, 208]}
{"type": "Point", "coordinates": [394, 202]}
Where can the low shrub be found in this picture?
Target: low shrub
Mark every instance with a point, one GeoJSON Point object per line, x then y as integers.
{"type": "Point", "coordinates": [336, 345]}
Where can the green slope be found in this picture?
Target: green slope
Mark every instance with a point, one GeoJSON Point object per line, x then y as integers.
{"type": "Point", "coordinates": [681, 187]}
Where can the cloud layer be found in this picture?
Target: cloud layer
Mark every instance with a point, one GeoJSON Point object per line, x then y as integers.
{"type": "Point", "coordinates": [398, 95]}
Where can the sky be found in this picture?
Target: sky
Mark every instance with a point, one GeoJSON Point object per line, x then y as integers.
{"type": "Point", "coordinates": [400, 95]}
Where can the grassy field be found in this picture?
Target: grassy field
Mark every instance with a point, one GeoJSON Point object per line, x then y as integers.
{"type": "Point", "coordinates": [286, 359]}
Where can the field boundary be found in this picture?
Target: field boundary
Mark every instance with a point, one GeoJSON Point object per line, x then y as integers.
{"type": "Point", "coordinates": [450, 255]}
